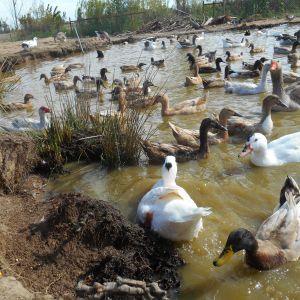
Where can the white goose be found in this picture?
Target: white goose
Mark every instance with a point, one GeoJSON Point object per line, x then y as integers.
{"type": "Point", "coordinates": [29, 44]}
{"type": "Point", "coordinates": [169, 210]}
{"type": "Point", "coordinates": [245, 88]}
{"type": "Point", "coordinates": [284, 150]}
{"type": "Point", "coordinates": [22, 124]}
{"type": "Point", "coordinates": [228, 43]}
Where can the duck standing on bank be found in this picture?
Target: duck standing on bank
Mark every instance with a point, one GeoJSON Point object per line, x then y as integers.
{"type": "Point", "coordinates": [169, 210]}
{"type": "Point", "coordinates": [29, 44]}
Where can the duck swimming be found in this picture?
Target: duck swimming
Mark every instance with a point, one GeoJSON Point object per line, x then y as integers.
{"type": "Point", "coordinates": [228, 43]}
{"type": "Point", "coordinates": [158, 63]}
{"type": "Point", "coordinates": [26, 124]}
{"type": "Point", "coordinates": [169, 210]}
{"type": "Point", "coordinates": [182, 108]}
{"type": "Point", "coordinates": [66, 85]}
{"type": "Point", "coordinates": [251, 67]}
{"type": "Point", "coordinates": [284, 150]}
{"type": "Point", "coordinates": [290, 95]}
{"type": "Point", "coordinates": [233, 57]}
{"type": "Point", "coordinates": [132, 68]}
{"type": "Point", "coordinates": [157, 152]}
{"type": "Point", "coordinates": [245, 88]}
{"type": "Point", "coordinates": [248, 74]}
{"type": "Point", "coordinates": [191, 138]}
{"type": "Point", "coordinates": [275, 243]}
{"type": "Point", "coordinates": [216, 82]}
{"type": "Point", "coordinates": [27, 104]}
{"type": "Point", "coordinates": [211, 55]}
{"type": "Point", "coordinates": [254, 50]}
{"type": "Point", "coordinates": [243, 128]}
{"type": "Point", "coordinates": [208, 69]}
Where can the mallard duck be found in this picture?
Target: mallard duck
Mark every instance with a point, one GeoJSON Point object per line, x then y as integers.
{"type": "Point", "coordinates": [182, 108]}
{"type": "Point", "coordinates": [254, 50]}
{"type": "Point", "coordinates": [157, 152]}
{"type": "Point", "coordinates": [193, 80]}
{"type": "Point", "coordinates": [29, 44]}
{"type": "Point", "coordinates": [75, 66]}
{"type": "Point", "coordinates": [199, 62]}
{"type": "Point", "coordinates": [216, 82]}
{"type": "Point", "coordinates": [290, 95]}
{"type": "Point", "coordinates": [245, 88]}
{"type": "Point", "coordinates": [100, 54]}
{"type": "Point", "coordinates": [27, 104]}
{"type": "Point", "coordinates": [286, 51]}
{"type": "Point", "coordinates": [247, 74]}
{"type": "Point", "coordinates": [244, 128]}
{"type": "Point", "coordinates": [168, 209]}
{"type": "Point", "coordinates": [284, 150]}
{"type": "Point", "coordinates": [26, 124]}
{"type": "Point", "coordinates": [247, 32]}
{"type": "Point", "coordinates": [91, 93]}
{"type": "Point", "coordinates": [139, 96]}
{"type": "Point", "coordinates": [59, 70]}
{"type": "Point", "coordinates": [291, 77]}
{"type": "Point", "coordinates": [208, 69]}
{"type": "Point", "coordinates": [294, 61]}
{"type": "Point", "coordinates": [157, 63]}
{"type": "Point", "coordinates": [66, 85]}
{"type": "Point", "coordinates": [275, 243]}
{"type": "Point", "coordinates": [251, 67]}
{"type": "Point", "coordinates": [211, 55]}
{"type": "Point", "coordinates": [191, 138]}
{"type": "Point", "coordinates": [233, 57]}
{"type": "Point", "coordinates": [132, 68]}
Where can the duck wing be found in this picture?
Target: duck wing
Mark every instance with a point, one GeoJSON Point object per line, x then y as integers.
{"type": "Point", "coordinates": [185, 137]}
{"type": "Point", "coordinates": [283, 227]}
{"type": "Point", "coordinates": [191, 102]}
{"type": "Point", "coordinates": [294, 92]}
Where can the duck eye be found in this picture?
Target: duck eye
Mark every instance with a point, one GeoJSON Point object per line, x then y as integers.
{"type": "Point", "coordinates": [255, 140]}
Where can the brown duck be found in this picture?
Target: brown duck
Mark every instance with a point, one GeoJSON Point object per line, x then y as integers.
{"type": "Point", "coordinates": [157, 152]}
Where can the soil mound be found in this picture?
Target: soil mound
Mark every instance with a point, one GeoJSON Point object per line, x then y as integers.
{"type": "Point", "coordinates": [87, 239]}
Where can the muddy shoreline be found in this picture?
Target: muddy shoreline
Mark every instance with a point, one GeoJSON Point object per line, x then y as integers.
{"type": "Point", "coordinates": [48, 49]}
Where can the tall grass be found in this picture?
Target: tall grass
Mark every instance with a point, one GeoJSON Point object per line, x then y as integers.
{"type": "Point", "coordinates": [78, 131]}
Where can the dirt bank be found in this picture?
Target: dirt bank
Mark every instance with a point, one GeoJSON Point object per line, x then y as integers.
{"type": "Point", "coordinates": [48, 48]}
{"type": "Point", "coordinates": [78, 239]}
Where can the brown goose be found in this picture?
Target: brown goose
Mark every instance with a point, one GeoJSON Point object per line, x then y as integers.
{"type": "Point", "coordinates": [157, 152]}
{"type": "Point", "coordinates": [190, 138]}
{"type": "Point", "coordinates": [244, 128]}
{"type": "Point", "coordinates": [290, 96]}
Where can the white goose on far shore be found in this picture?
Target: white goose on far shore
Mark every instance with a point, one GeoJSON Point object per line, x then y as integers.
{"type": "Point", "coordinates": [284, 150]}
{"type": "Point", "coordinates": [247, 88]}
{"type": "Point", "coordinates": [29, 44]}
{"type": "Point", "coordinates": [169, 210]}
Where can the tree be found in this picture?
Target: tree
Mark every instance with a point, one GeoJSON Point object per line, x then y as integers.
{"type": "Point", "coordinates": [15, 10]}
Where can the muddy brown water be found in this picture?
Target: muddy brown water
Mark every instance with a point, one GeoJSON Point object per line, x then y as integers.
{"type": "Point", "coordinates": [239, 194]}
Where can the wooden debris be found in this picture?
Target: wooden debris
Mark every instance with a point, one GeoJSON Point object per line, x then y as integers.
{"type": "Point", "coordinates": [122, 286]}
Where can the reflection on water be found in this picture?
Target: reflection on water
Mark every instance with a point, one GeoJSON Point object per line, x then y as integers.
{"type": "Point", "coordinates": [239, 194]}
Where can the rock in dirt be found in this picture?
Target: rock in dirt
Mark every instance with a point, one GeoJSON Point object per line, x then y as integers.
{"type": "Point", "coordinates": [10, 289]}
{"type": "Point", "coordinates": [17, 156]}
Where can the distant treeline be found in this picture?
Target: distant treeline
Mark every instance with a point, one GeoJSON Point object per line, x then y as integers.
{"type": "Point", "coordinates": [128, 15]}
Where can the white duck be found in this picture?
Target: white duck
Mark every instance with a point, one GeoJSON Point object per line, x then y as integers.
{"type": "Point", "coordinates": [245, 88]}
{"type": "Point", "coordinates": [149, 45]}
{"type": "Point", "coordinates": [284, 150]}
{"type": "Point", "coordinates": [228, 43]}
{"type": "Point", "coordinates": [169, 210]}
{"type": "Point", "coordinates": [22, 124]}
{"type": "Point", "coordinates": [29, 44]}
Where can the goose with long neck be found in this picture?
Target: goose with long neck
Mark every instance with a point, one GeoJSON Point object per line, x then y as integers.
{"type": "Point", "coordinates": [157, 152]}
{"type": "Point", "coordinates": [244, 88]}
{"type": "Point", "coordinates": [190, 138]}
{"type": "Point", "coordinates": [289, 96]}
{"type": "Point", "coordinates": [243, 128]}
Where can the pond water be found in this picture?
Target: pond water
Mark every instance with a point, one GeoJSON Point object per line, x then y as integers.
{"type": "Point", "coordinates": [239, 194]}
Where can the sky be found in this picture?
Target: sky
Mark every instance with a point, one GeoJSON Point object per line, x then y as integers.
{"type": "Point", "coordinates": [69, 6]}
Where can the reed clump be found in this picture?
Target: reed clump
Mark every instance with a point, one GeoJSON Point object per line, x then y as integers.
{"type": "Point", "coordinates": [80, 131]}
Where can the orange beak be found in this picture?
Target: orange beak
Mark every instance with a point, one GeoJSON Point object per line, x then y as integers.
{"type": "Point", "coordinates": [274, 65]}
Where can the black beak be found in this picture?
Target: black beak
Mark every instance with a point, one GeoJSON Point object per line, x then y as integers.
{"type": "Point", "coordinates": [237, 114]}
{"type": "Point", "coordinates": [220, 127]}
{"type": "Point", "coordinates": [168, 166]}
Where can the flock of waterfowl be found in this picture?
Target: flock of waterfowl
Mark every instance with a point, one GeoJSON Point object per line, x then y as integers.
{"type": "Point", "coordinates": [167, 208]}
